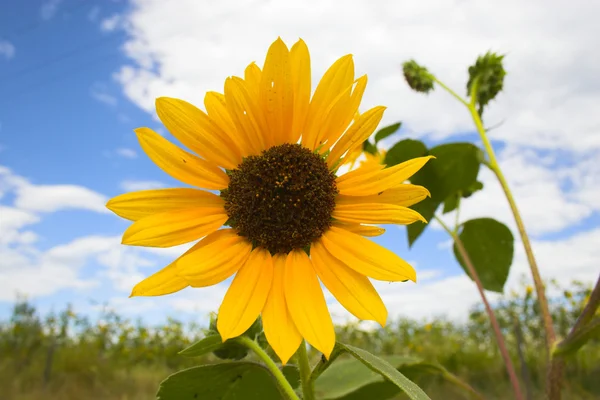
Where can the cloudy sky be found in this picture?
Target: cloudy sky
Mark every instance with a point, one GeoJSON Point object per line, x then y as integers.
{"type": "Point", "coordinates": [77, 76]}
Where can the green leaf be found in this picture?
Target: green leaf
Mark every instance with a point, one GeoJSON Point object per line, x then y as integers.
{"type": "Point", "coordinates": [490, 246]}
{"type": "Point", "coordinates": [201, 347]}
{"type": "Point", "coordinates": [369, 147]}
{"type": "Point", "coordinates": [455, 169]}
{"type": "Point", "coordinates": [405, 150]}
{"type": "Point", "coordinates": [292, 375]}
{"type": "Point", "coordinates": [387, 131]}
{"type": "Point", "coordinates": [227, 381]}
{"type": "Point", "coordinates": [385, 369]}
{"type": "Point", "coordinates": [475, 187]}
{"type": "Point", "coordinates": [451, 202]}
{"type": "Point", "coordinates": [426, 208]}
{"type": "Point", "coordinates": [351, 379]}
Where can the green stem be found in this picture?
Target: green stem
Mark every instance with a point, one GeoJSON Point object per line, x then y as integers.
{"type": "Point", "coordinates": [510, 369]}
{"type": "Point", "coordinates": [323, 364]}
{"type": "Point", "coordinates": [573, 342]}
{"type": "Point", "coordinates": [585, 327]}
{"type": "Point", "coordinates": [495, 167]}
{"type": "Point", "coordinates": [452, 92]}
{"type": "Point", "coordinates": [285, 386]}
{"type": "Point", "coordinates": [537, 279]}
{"type": "Point", "coordinates": [457, 219]}
{"type": "Point", "coordinates": [304, 365]}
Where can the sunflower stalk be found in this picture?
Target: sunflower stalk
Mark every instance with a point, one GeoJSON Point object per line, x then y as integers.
{"type": "Point", "coordinates": [284, 385]}
{"type": "Point", "coordinates": [305, 372]}
{"type": "Point", "coordinates": [510, 369]}
{"type": "Point", "coordinates": [492, 164]}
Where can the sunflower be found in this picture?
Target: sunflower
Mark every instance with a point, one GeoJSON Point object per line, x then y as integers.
{"type": "Point", "coordinates": [282, 221]}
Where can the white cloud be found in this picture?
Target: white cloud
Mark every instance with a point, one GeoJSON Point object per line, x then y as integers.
{"type": "Point", "coordinates": [126, 152]}
{"type": "Point", "coordinates": [103, 97]}
{"type": "Point", "coordinates": [550, 197]}
{"type": "Point", "coordinates": [49, 9]}
{"type": "Point", "coordinates": [49, 198]}
{"type": "Point", "coordinates": [549, 96]}
{"type": "Point", "coordinates": [134, 186]}
{"type": "Point", "coordinates": [111, 23]}
{"type": "Point", "coordinates": [7, 49]}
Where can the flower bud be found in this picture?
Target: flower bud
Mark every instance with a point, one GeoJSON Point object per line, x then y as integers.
{"type": "Point", "coordinates": [489, 72]}
{"type": "Point", "coordinates": [417, 77]}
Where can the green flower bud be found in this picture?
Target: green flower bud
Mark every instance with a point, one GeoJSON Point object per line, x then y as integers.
{"type": "Point", "coordinates": [489, 72]}
{"type": "Point", "coordinates": [417, 77]}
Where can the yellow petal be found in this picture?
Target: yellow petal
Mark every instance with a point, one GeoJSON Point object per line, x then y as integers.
{"type": "Point", "coordinates": [366, 257]}
{"type": "Point", "coordinates": [176, 227]}
{"type": "Point", "coordinates": [137, 205]}
{"type": "Point", "coordinates": [362, 230]}
{"type": "Point", "coordinates": [359, 131]}
{"type": "Point", "coordinates": [180, 164]}
{"type": "Point", "coordinates": [374, 181]}
{"type": "Point", "coordinates": [246, 115]}
{"type": "Point", "coordinates": [340, 114]}
{"type": "Point", "coordinates": [281, 333]}
{"type": "Point", "coordinates": [306, 303]}
{"type": "Point", "coordinates": [335, 81]}
{"type": "Point", "coordinates": [198, 132]}
{"type": "Point", "coordinates": [300, 61]}
{"type": "Point", "coordinates": [214, 259]}
{"type": "Point", "coordinates": [376, 213]}
{"type": "Point", "coordinates": [217, 111]}
{"type": "Point", "coordinates": [163, 282]}
{"type": "Point", "coordinates": [404, 195]}
{"type": "Point", "coordinates": [247, 295]}
{"type": "Point", "coordinates": [276, 93]}
{"type": "Point", "coordinates": [252, 76]}
{"type": "Point", "coordinates": [353, 290]}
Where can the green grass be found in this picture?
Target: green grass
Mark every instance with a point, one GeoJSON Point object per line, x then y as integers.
{"type": "Point", "coordinates": [66, 356]}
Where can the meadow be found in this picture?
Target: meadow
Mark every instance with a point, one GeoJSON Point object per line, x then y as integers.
{"type": "Point", "coordinates": [63, 356]}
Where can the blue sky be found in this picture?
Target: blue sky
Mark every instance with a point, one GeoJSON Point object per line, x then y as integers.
{"type": "Point", "coordinates": [74, 83]}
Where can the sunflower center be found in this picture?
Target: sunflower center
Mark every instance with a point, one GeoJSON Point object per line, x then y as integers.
{"type": "Point", "coordinates": [281, 200]}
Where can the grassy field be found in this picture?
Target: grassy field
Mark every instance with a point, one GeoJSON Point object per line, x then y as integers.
{"type": "Point", "coordinates": [66, 356]}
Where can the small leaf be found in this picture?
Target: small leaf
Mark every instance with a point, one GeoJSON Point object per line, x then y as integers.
{"type": "Point", "coordinates": [387, 131]}
{"type": "Point", "coordinates": [369, 147]}
{"type": "Point", "coordinates": [490, 246]}
{"type": "Point", "coordinates": [234, 380]}
{"type": "Point", "coordinates": [451, 203]}
{"type": "Point", "coordinates": [206, 345]}
{"type": "Point", "coordinates": [386, 370]}
{"type": "Point", "coordinates": [475, 187]}
{"type": "Point", "coordinates": [426, 208]}
{"type": "Point", "coordinates": [405, 150]}
{"type": "Point", "coordinates": [292, 375]}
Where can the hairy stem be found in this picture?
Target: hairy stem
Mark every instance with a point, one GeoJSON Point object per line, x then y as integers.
{"type": "Point", "coordinates": [510, 369]}
{"type": "Point", "coordinates": [304, 365]}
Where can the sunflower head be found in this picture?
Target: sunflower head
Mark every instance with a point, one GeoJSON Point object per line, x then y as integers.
{"type": "Point", "coordinates": [282, 199]}
{"type": "Point", "coordinates": [284, 221]}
